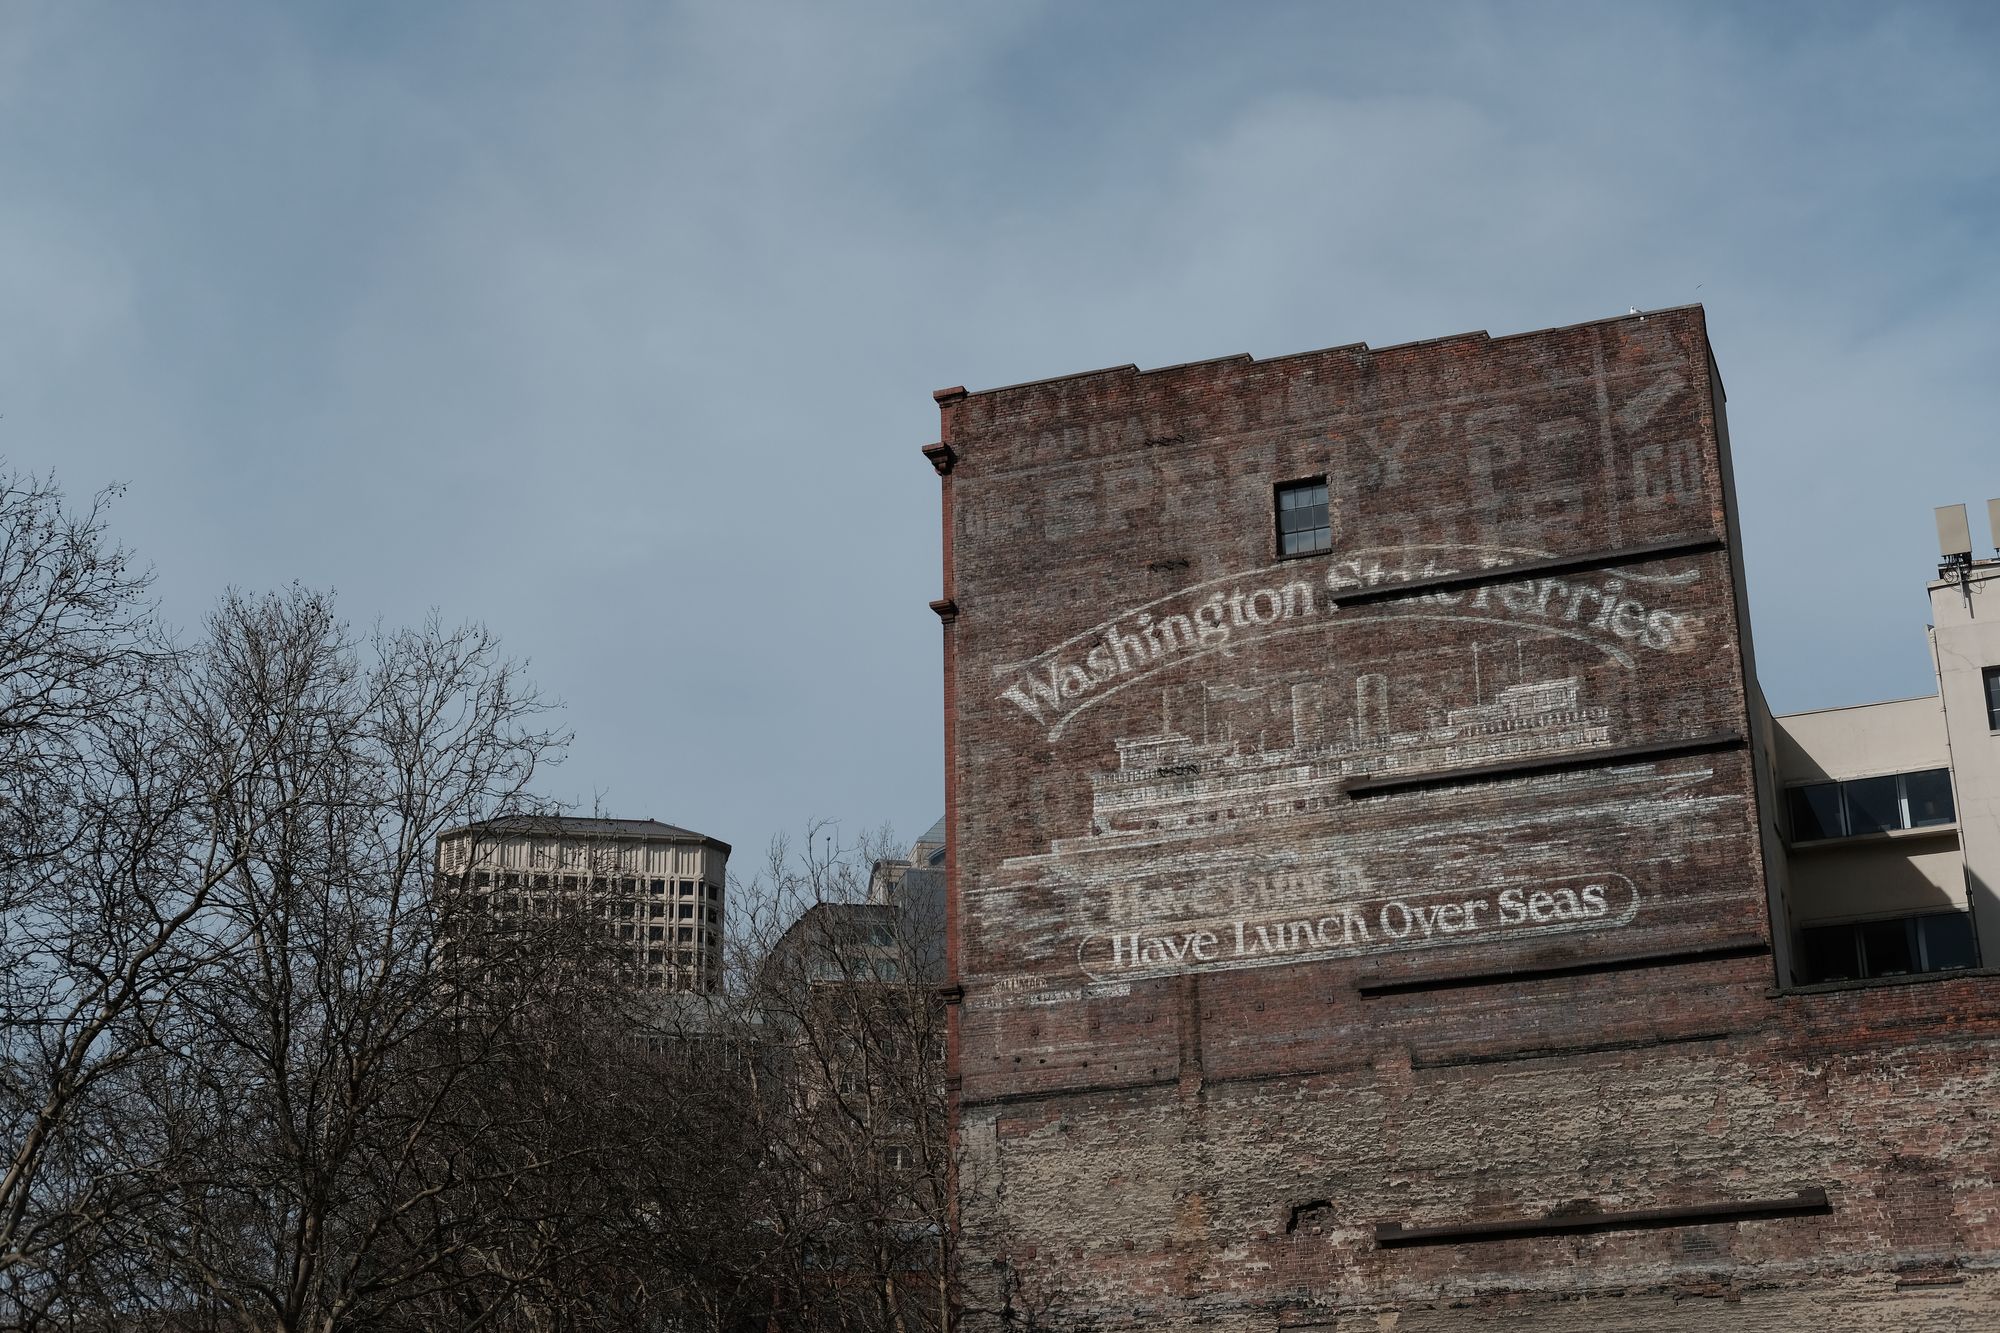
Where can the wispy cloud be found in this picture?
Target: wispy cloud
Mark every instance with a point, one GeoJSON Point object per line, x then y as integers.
{"type": "Point", "coordinates": [614, 326]}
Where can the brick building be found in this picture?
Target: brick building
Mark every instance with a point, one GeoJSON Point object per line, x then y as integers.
{"type": "Point", "coordinates": [1365, 832]}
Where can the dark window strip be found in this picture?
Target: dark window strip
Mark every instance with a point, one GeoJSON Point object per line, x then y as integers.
{"type": "Point", "coordinates": [1514, 768]}
{"type": "Point", "coordinates": [1375, 987]}
{"type": "Point", "coordinates": [1421, 1061]}
{"type": "Point", "coordinates": [1389, 1235]}
{"type": "Point", "coordinates": [1873, 983]}
{"type": "Point", "coordinates": [1562, 564]}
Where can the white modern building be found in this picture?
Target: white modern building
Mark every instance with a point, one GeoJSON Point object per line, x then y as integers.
{"type": "Point", "coordinates": [1890, 814]}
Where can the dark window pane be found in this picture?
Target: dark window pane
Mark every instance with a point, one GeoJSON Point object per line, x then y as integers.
{"type": "Point", "coordinates": [1829, 954]}
{"type": "Point", "coordinates": [1815, 811]}
{"type": "Point", "coordinates": [1302, 520]}
{"type": "Point", "coordinates": [1885, 948]}
{"type": "Point", "coordinates": [1992, 677]}
{"type": "Point", "coordinates": [1872, 805]}
{"type": "Point", "coordinates": [1948, 941]}
{"type": "Point", "coordinates": [1928, 795]}
{"type": "Point", "coordinates": [1304, 537]}
{"type": "Point", "coordinates": [1303, 524]}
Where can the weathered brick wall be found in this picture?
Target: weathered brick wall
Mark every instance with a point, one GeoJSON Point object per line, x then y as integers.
{"type": "Point", "coordinates": [1247, 1201]}
{"type": "Point", "coordinates": [1286, 904]}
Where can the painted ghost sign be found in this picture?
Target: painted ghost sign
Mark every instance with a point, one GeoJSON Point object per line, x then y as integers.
{"type": "Point", "coordinates": [1502, 715]}
{"type": "Point", "coordinates": [1617, 613]}
{"type": "Point", "coordinates": [1348, 928]}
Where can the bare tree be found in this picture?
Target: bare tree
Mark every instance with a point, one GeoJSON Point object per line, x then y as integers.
{"type": "Point", "coordinates": [332, 1126]}
{"type": "Point", "coordinates": [784, 1160]}
{"type": "Point", "coordinates": [105, 874]}
{"type": "Point", "coordinates": [262, 1068]}
{"type": "Point", "coordinates": [848, 993]}
{"type": "Point", "coordinates": [236, 1072]}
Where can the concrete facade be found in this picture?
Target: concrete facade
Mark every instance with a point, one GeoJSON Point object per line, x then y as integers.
{"type": "Point", "coordinates": [657, 888]}
{"type": "Point", "coordinates": [1891, 810]}
{"type": "Point", "coordinates": [1890, 873]}
{"type": "Point", "coordinates": [1965, 640]}
{"type": "Point", "coordinates": [1379, 936]}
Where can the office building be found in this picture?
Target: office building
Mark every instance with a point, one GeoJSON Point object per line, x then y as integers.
{"type": "Point", "coordinates": [657, 889]}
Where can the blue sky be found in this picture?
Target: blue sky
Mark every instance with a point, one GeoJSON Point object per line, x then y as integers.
{"type": "Point", "coordinates": [596, 321]}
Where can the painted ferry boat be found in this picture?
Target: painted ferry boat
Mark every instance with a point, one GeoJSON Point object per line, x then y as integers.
{"type": "Point", "coordinates": [1169, 782]}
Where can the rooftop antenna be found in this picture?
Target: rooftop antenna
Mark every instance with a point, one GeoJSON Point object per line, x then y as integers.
{"type": "Point", "coordinates": [1993, 523]}
{"type": "Point", "coordinates": [1955, 549]}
